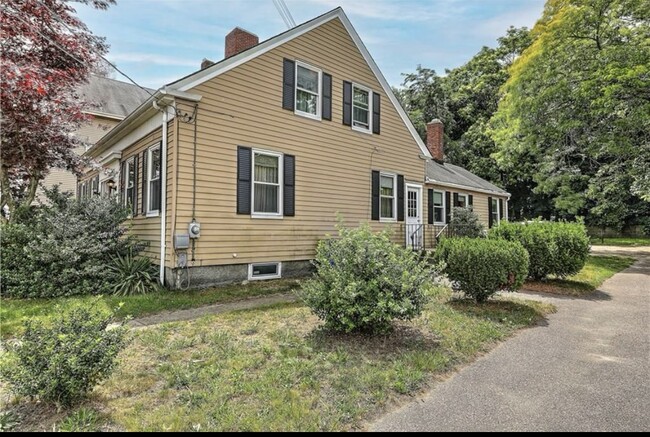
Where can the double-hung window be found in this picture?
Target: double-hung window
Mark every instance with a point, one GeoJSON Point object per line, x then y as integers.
{"type": "Point", "coordinates": [308, 90]}
{"type": "Point", "coordinates": [438, 206]}
{"type": "Point", "coordinates": [496, 214]}
{"type": "Point", "coordinates": [387, 191]}
{"type": "Point", "coordinates": [153, 180]}
{"type": "Point", "coordinates": [361, 108]}
{"type": "Point", "coordinates": [129, 182]}
{"type": "Point", "coordinates": [267, 183]}
{"type": "Point", "coordinates": [462, 201]}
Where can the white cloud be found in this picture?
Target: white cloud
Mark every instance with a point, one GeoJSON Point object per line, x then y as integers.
{"type": "Point", "coordinates": [397, 10]}
{"type": "Point", "coordinates": [148, 58]}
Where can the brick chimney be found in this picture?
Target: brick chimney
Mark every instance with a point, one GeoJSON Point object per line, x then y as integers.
{"type": "Point", "coordinates": [435, 139]}
{"type": "Point", "coordinates": [239, 40]}
{"type": "Point", "coordinates": [205, 63]}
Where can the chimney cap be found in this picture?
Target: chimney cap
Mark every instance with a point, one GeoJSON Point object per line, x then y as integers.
{"type": "Point", "coordinates": [242, 30]}
{"type": "Point", "coordinates": [435, 121]}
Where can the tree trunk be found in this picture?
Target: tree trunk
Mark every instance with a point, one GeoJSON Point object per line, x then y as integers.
{"type": "Point", "coordinates": [8, 198]}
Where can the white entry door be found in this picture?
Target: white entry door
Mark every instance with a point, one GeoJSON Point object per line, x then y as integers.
{"type": "Point", "coordinates": [414, 225]}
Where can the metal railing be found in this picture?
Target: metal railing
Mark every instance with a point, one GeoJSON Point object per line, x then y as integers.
{"type": "Point", "coordinates": [427, 237]}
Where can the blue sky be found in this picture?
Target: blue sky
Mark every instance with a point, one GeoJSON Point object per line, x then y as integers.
{"type": "Point", "coordinates": [159, 41]}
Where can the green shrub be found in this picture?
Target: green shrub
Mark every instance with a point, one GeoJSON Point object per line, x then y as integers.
{"type": "Point", "coordinates": [481, 267]}
{"type": "Point", "coordinates": [63, 248]}
{"type": "Point", "coordinates": [63, 362]}
{"type": "Point", "coordinates": [555, 248]}
{"type": "Point", "coordinates": [364, 281]}
{"type": "Point", "coordinates": [133, 275]}
{"type": "Point", "coordinates": [466, 223]}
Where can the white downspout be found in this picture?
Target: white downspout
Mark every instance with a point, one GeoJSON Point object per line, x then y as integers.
{"type": "Point", "coordinates": [163, 196]}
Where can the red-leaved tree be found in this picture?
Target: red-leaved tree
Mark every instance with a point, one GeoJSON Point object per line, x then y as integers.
{"type": "Point", "coordinates": [45, 53]}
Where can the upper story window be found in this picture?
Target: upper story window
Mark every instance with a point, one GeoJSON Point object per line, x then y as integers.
{"type": "Point", "coordinates": [438, 206]}
{"type": "Point", "coordinates": [267, 183]}
{"type": "Point", "coordinates": [153, 180]}
{"type": "Point", "coordinates": [129, 182]}
{"type": "Point", "coordinates": [361, 108]}
{"type": "Point", "coordinates": [387, 191]}
{"type": "Point", "coordinates": [308, 90]}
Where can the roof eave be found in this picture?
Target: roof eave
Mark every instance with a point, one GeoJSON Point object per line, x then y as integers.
{"type": "Point", "coordinates": [467, 187]}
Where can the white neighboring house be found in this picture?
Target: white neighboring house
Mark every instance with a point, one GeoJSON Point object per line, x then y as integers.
{"type": "Point", "coordinates": [110, 101]}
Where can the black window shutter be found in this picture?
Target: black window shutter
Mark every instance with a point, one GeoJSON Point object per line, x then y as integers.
{"type": "Point", "coordinates": [400, 198]}
{"type": "Point", "coordinates": [244, 156]}
{"type": "Point", "coordinates": [327, 97]}
{"type": "Point", "coordinates": [490, 221]}
{"type": "Point", "coordinates": [134, 203]}
{"type": "Point", "coordinates": [289, 191]}
{"type": "Point", "coordinates": [430, 207]}
{"type": "Point", "coordinates": [376, 108]}
{"type": "Point", "coordinates": [470, 200]}
{"type": "Point", "coordinates": [455, 199]}
{"type": "Point", "coordinates": [122, 178]}
{"type": "Point", "coordinates": [375, 195]}
{"type": "Point", "coordinates": [347, 103]}
{"type": "Point", "coordinates": [501, 213]}
{"type": "Point", "coordinates": [288, 84]}
{"type": "Point", "coordinates": [144, 182]}
{"type": "Point", "coordinates": [448, 206]}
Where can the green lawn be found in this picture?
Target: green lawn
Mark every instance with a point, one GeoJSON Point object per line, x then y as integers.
{"type": "Point", "coordinates": [595, 272]}
{"type": "Point", "coordinates": [621, 241]}
{"type": "Point", "coordinates": [274, 369]}
{"type": "Point", "coordinates": [14, 311]}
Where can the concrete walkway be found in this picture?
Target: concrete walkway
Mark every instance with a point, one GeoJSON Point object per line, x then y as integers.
{"type": "Point", "coordinates": [195, 313]}
{"type": "Point", "coordinates": [586, 369]}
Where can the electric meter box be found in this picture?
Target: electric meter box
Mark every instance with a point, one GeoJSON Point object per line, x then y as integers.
{"type": "Point", "coordinates": [181, 241]}
{"type": "Point", "coordinates": [194, 229]}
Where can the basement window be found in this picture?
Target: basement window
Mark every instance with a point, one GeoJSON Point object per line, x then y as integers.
{"type": "Point", "coordinates": [259, 271]}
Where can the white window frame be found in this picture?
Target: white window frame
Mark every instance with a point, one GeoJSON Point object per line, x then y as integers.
{"type": "Point", "coordinates": [268, 215]}
{"type": "Point", "coordinates": [130, 161]}
{"type": "Point", "coordinates": [369, 91]}
{"type": "Point", "coordinates": [495, 202]}
{"type": "Point", "coordinates": [251, 267]}
{"type": "Point", "coordinates": [444, 208]}
{"type": "Point", "coordinates": [319, 102]}
{"type": "Point", "coordinates": [152, 212]}
{"type": "Point", "coordinates": [466, 197]}
{"type": "Point", "coordinates": [395, 197]}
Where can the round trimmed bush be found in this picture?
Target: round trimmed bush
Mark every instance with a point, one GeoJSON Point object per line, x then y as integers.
{"type": "Point", "coordinates": [481, 267]}
{"type": "Point", "coordinates": [555, 248]}
{"type": "Point", "coordinates": [364, 281]}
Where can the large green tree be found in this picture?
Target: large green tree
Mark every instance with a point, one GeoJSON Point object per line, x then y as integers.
{"type": "Point", "coordinates": [574, 123]}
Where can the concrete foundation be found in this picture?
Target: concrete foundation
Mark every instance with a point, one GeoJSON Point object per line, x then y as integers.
{"type": "Point", "coordinates": [207, 276]}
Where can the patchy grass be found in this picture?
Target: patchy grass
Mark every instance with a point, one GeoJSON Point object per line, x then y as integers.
{"type": "Point", "coordinates": [14, 311]}
{"type": "Point", "coordinates": [595, 272]}
{"type": "Point", "coordinates": [275, 369]}
{"type": "Point", "coordinates": [621, 241]}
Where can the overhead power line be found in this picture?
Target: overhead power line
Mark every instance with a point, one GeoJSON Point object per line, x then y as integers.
{"type": "Point", "coordinates": [284, 12]}
{"type": "Point", "coordinates": [60, 20]}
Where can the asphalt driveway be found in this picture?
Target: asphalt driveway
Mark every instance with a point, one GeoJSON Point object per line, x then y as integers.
{"type": "Point", "coordinates": [586, 369]}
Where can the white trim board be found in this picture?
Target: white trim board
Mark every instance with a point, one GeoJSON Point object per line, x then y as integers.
{"type": "Point", "coordinates": [219, 68]}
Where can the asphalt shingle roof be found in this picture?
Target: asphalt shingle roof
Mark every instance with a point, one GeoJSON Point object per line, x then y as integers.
{"type": "Point", "coordinates": [453, 174]}
{"type": "Point", "coordinates": [110, 96]}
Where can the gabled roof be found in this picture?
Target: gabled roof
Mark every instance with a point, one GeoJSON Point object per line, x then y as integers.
{"type": "Point", "coordinates": [453, 175]}
{"type": "Point", "coordinates": [110, 97]}
{"type": "Point", "coordinates": [228, 64]}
